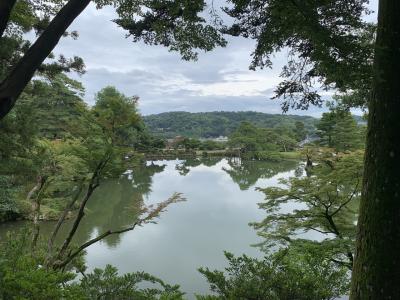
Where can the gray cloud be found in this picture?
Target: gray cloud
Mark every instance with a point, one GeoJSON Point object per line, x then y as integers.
{"type": "Point", "coordinates": [219, 80]}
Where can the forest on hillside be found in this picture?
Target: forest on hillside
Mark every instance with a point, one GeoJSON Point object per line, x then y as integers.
{"type": "Point", "coordinates": [214, 124]}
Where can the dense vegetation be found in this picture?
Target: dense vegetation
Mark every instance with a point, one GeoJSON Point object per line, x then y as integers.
{"type": "Point", "coordinates": [215, 124]}
{"type": "Point", "coordinates": [55, 153]}
{"type": "Point", "coordinates": [285, 275]}
{"type": "Point", "coordinates": [330, 47]}
{"type": "Point", "coordinates": [52, 142]}
{"type": "Point", "coordinates": [62, 151]}
{"type": "Point", "coordinates": [23, 276]}
{"type": "Point", "coordinates": [53, 168]}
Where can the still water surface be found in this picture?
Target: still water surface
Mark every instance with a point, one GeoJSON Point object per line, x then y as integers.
{"type": "Point", "coordinates": [221, 201]}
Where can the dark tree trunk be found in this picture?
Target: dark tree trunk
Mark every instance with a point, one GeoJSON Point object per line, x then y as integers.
{"type": "Point", "coordinates": [78, 219]}
{"type": "Point", "coordinates": [376, 271]}
{"type": "Point", "coordinates": [93, 184]}
{"type": "Point", "coordinates": [6, 7]}
{"type": "Point", "coordinates": [14, 84]}
{"type": "Point", "coordinates": [68, 208]}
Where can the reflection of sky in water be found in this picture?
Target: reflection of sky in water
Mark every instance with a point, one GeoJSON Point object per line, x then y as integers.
{"type": "Point", "coordinates": [191, 234]}
{"type": "Point", "coordinates": [221, 201]}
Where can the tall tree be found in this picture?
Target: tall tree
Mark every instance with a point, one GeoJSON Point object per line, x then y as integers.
{"type": "Point", "coordinates": [300, 131]}
{"type": "Point", "coordinates": [330, 41]}
{"type": "Point", "coordinates": [57, 106]}
{"type": "Point", "coordinates": [347, 135]}
{"type": "Point", "coordinates": [338, 129]}
{"type": "Point", "coordinates": [376, 272]}
{"type": "Point", "coordinates": [118, 116]}
{"type": "Point", "coordinates": [325, 127]}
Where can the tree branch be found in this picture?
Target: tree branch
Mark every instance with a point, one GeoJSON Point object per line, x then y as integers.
{"type": "Point", "coordinates": [94, 183]}
{"type": "Point", "coordinates": [39, 187]}
{"type": "Point", "coordinates": [343, 263]}
{"type": "Point", "coordinates": [151, 214]}
{"type": "Point", "coordinates": [339, 235]}
{"type": "Point", "coordinates": [6, 6]}
{"type": "Point", "coordinates": [15, 82]}
{"type": "Point", "coordinates": [60, 222]}
{"type": "Point", "coordinates": [318, 230]}
{"type": "Point", "coordinates": [72, 255]}
{"type": "Point", "coordinates": [347, 201]}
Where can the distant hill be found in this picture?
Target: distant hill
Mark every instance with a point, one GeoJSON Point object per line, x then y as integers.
{"type": "Point", "coordinates": [214, 124]}
{"type": "Point", "coordinates": [360, 120]}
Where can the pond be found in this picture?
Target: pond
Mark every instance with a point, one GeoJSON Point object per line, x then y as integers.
{"type": "Point", "coordinates": [221, 201]}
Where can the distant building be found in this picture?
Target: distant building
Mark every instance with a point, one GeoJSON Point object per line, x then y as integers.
{"type": "Point", "coordinates": [220, 139]}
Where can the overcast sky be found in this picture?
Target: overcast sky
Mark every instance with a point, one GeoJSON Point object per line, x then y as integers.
{"type": "Point", "coordinates": [219, 80]}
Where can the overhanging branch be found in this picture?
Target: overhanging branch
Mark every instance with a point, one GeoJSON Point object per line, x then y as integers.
{"type": "Point", "coordinates": [15, 82]}
{"type": "Point", "coordinates": [6, 6]}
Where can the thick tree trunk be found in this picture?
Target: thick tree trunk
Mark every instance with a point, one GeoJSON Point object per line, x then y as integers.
{"type": "Point", "coordinates": [14, 84]}
{"type": "Point", "coordinates": [376, 271]}
{"type": "Point", "coordinates": [6, 7]}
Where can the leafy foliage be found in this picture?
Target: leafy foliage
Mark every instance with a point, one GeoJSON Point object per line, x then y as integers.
{"type": "Point", "coordinates": [107, 284]}
{"type": "Point", "coordinates": [330, 46]}
{"type": "Point", "coordinates": [34, 16]}
{"type": "Point", "coordinates": [117, 115]}
{"type": "Point", "coordinates": [23, 276]}
{"type": "Point", "coordinates": [254, 141]}
{"type": "Point", "coordinates": [51, 134]}
{"type": "Point", "coordinates": [338, 129]}
{"type": "Point", "coordinates": [325, 202]}
{"type": "Point", "coordinates": [174, 24]}
{"type": "Point", "coordinates": [285, 275]}
{"type": "Point", "coordinates": [300, 131]}
{"type": "Point", "coordinates": [57, 106]}
{"type": "Point", "coordinates": [8, 206]}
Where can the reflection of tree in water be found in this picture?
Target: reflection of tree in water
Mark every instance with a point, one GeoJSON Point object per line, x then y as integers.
{"type": "Point", "coordinates": [299, 171]}
{"type": "Point", "coordinates": [185, 166]}
{"type": "Point", "coordinates": [118, 203]}
{"type": "Point", "coordinates": [182, 169]}
{"type": "Point", "coordinates": [246, 172]}
{"type": "Point", "coordinates": [114, 205]}
{"type": "Point", "coordinates": [143, 177]}
{"type": "Point", "coordinates": [209, 162]}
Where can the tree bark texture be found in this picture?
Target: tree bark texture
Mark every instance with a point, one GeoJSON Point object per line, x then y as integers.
{"type": "Point", "coordinates": [376, 270]}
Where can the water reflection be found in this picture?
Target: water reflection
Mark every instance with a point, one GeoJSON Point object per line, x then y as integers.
{"type": "Point", "coordinates": [114, 205]}
{"type": "Point", "coordinates": [247, 172]}
{"type": "Point", "coordinates": [222, 200]}
{"type": "Point", "coordinates": [183, 167]}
